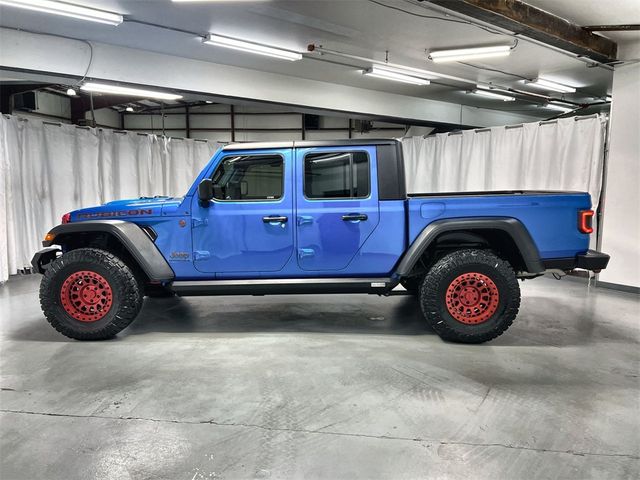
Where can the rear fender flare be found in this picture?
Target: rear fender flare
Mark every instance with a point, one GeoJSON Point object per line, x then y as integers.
{"type": "Point", "coordinates": [513, 227]}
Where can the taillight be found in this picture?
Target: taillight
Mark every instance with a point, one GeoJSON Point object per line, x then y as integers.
{"type": "Point", "coordinates": [585, 221]}
{"type": "Point", "coordinates": [66, 218]}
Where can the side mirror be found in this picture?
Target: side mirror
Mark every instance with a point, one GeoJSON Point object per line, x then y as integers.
{"type": "Point", "coordinates": [205, 191]}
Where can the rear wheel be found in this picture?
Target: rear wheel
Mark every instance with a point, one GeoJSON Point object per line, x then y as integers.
{"type": "Point", "coordinates": [90, 294]}
{"type": "Point", "coordinates": [470, 296]}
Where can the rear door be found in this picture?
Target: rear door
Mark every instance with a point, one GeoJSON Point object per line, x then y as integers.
{"type": "Point", "coordinates": [336, 205]}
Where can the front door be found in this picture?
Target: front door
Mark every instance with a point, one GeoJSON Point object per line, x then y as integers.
{"type": "Point", "coordinates": [248, 226]}
{"type": "Point", "coordinates": [336, 205]}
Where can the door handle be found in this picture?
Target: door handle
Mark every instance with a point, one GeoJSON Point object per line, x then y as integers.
{"type": "Point", "coordinates": [355, 217]}
{"type": "Point", "coordinates": [275, 219]}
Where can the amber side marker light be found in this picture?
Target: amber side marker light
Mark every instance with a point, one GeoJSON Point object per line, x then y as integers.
{"type": "Point", "coordinates": [585, 221]}
{"type": "Point", "coordinates": [49, 237]}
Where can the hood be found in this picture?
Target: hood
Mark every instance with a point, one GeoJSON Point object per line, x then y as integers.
{"type": "Point", "coordinates": [143, 207]}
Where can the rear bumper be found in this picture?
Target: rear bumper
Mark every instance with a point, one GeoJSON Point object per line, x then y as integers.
{"type": "Point", "coordinates": [41, 260]}
{"type": "Point", "coordinates": [592, 260]}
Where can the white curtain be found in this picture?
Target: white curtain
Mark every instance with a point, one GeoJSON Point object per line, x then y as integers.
{"type": "Point", "coordinates": [565, 154]}
{"type": "Point", "coordinates": [49, 169]}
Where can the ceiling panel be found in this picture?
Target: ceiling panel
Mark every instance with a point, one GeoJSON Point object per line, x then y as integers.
{"type": "Point", "coordinates": [357, 27]}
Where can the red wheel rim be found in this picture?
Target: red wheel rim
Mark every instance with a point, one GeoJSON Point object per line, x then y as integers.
{"type": "Point", "coordinates": [86, 296]}
{"type": "Point", "coordinates": [472, 298]}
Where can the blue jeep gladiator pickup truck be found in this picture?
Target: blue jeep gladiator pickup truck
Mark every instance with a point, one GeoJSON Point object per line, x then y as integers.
{"type": "Point", "coordinates": [313, 217]}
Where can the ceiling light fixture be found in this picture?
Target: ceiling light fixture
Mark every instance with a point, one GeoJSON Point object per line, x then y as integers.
{"type": "Point", "coordinates": [67, 10]}
{"type": "Point", "coordinates": [461, 54]}
{"type": "Point", "coordinates": [550, 85]}
{"type": "Point", "coordinates": [489, 94]}
{"type": "Point", "coordinates": [251, 47]}
{"type": "Point", "coordinates": [71, 92]}
{"type": "Point", "coordinates": [216, 1]}
{"type": "Point", "coordinates": [395, 75]}
{"type": "Point", "coordinates": [608, 98]}
{"type": "Point", "coordinates": [133, 92]}
{"type": "Point", "coordinates": [129, 109]}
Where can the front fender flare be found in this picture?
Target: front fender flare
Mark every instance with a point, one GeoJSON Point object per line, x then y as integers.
{"type": "Point", "coordinates": [130, 235]}
{"type": "Point", "coordinates": [513, 227]}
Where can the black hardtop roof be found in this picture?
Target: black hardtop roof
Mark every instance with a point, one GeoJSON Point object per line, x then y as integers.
{"type": "Point", "coordinates": [310, 143]}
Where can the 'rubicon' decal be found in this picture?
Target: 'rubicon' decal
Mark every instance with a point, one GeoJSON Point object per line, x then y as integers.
{"type": "Point", "coordinates": [121, 213]}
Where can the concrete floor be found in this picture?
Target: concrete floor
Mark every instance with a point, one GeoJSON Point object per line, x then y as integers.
{"type": "Point", "coordinates": [332, 387]}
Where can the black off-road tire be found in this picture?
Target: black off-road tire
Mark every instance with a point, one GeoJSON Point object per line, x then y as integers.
{"type": "Point", "coordinates": [412, 285]}
{"type": "Point", "coordinates": [443, 282]}
{"type": "Point", "coordinates": [157, 291]}
{"type": "Point", "coordinates": [124, 294]}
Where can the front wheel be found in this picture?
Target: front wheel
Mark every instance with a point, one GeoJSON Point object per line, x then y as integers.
{"type": "Point", "coordinates": [470, 296]}
{"type": "Point", "coordinates": [90, 294]}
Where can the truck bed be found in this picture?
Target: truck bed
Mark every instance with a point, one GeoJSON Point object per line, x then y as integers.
{"type": "Point", "coordinates": [550, 217]}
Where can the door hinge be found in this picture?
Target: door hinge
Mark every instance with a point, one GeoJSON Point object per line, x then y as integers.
{"type": "Point", "coordinates": [199, 222]}
{"type": "Point", "coordinates": [201, 255]}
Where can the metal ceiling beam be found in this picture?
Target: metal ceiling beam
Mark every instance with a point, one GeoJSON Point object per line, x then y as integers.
{"type": "Point", "coordinates": [82, 103]}
{"type": "Point", "coordinates": [523, 19]}
{"type": "Point", "coordinates": [8, 90]}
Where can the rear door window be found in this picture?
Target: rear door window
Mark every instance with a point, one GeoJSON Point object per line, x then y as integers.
{"type": "Point", "coordinates": [336, 175]}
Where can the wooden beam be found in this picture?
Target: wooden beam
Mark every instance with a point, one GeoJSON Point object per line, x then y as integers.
{"type": "Point", "coordinates": [611, 28]}
{"type": "Point", "coordinates": [523, 19]}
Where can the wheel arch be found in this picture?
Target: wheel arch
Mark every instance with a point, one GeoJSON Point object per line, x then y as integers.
{"type": "Point", "coordinates": [119, 237]}
{"type": "Point", "coordinates": [505, 234]}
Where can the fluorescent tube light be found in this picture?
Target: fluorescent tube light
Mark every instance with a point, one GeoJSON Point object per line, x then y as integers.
{"type": "Point", "coordinates": [550, 85]}
{"type": "Point", "coordinates": [490, 94]}
{"type": "Point", "coordinates": [216, 1]}
{"type": "Point", "coordinates": [558, 106]}
{"type": "Point", "coordinates": [394, 74]}
{"type": "Point", "coordinates": [461, 54]}
{"type": "Point", "coordinates": [134, 92]}
{"type": "Point", "coordinates": [246, 46]}
{"type": "Point", "coordinates": [67, 10]}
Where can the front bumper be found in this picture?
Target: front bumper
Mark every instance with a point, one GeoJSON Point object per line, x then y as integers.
{"type": "Point", "coordinates": [592, 260]}
{"type": "Point", "coordinates": [41, 260]}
